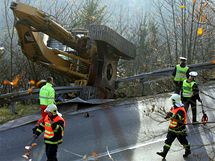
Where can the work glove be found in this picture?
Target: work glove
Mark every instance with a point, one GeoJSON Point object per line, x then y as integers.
{"type": "Point", "coordinates": [34, 129]}
{"type": "Point", "coordinates": [168, 115]}
{"type": "Point", "coordinates": [200, 100]}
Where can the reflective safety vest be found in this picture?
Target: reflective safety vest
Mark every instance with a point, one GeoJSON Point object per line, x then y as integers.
{"type": "Point", "coordinates": [181, 73]}
{"type": "Point", "coordinates": [47, 95]}
{"type": "Point", "coordinates": [49, 132]}
{"type": "Point", "coordinates": [173, 121]}
{"type": "Point", "coordinates": [187, 88]}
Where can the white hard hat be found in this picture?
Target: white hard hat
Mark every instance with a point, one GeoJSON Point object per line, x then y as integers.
{"type": "Point", "coordinates": [53, 109]}
{"type": "Point", "coordinates": [193, 74]}
{"type": "Point", "coordinates": [182, 58]}
{"type": "Point", "coordinates": [176, 99]}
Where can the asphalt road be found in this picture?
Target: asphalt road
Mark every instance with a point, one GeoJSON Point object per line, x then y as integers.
{"type": "Point", "coordinates": [130, 130]}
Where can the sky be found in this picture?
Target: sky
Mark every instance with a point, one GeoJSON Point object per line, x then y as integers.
{"type": "Point", "coordinates": [130, 7]}
{"type": "Point", "coordinates": [134, 6]}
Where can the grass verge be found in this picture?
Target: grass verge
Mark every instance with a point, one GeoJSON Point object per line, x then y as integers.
{"type": "Point", "coordinates": [21, 110]}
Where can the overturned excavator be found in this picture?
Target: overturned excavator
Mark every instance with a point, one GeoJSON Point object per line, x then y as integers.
{"type": "Point", "coordinates": [87, 57]}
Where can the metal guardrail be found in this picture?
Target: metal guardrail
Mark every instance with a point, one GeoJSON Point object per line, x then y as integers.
{"type": "Point", "coordinates": [24, 95]}
{"type": "Point", "coordinates": [165, 72]}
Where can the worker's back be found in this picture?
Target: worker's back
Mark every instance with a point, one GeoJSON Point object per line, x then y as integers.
{"type": "Point", "coordinates": [47, 94]}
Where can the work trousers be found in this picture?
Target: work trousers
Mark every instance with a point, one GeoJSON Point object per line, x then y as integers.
{"type": "Point", "coordinates": [43, 114]}
{"type": "Point", "coordinates": [178, 86]}
{"type": "Point", "coordinates": [189, 101]}
{"type": "Point", "coordinates": [51, 152]}
{"type": "Point", "coordinates": [181, 138]}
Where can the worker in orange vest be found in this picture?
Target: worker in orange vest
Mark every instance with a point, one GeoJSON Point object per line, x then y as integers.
{"type": "Point", "coordinates": [177, 129]}
{"type": "Point", "coordinates": [53, 128]}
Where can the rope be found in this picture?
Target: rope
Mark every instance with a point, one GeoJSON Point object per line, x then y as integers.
{"type": "Point", "coordinates": [110, 157]}
{"type": "Point", "coordinates": [207, 94]}
{"type": "Point", "coordinates": [197, 123]}
{"type": "Point", "coordinates": [76, 154]}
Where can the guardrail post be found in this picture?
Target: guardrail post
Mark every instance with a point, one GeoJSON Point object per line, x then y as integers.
{"type": "Point", "coordinates": [142, 82]}
{"type": "Point", "coordinates": [12, 106]}
{"type": "Point", "coordinates": [88, 92]}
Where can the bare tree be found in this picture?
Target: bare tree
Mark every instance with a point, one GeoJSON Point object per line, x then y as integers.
{"type": "Point", "coordinates": [166, 32]}
{"type": "Point", "coordinates": [10, 34]}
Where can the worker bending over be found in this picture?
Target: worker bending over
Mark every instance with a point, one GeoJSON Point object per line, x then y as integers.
{"type": "Point", "coordinates": [177, 129]}
{"type": "Point", "coordinates": [53, 128]}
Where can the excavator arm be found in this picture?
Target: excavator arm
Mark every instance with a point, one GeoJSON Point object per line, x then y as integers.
{"type": "Point", "coordinates": [41, 22]}
{"type": "Point", "coordinates": [30, 24]}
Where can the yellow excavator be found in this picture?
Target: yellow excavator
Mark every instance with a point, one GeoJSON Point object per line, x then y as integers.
{"type": "Point", "coordinates": [87, 57]}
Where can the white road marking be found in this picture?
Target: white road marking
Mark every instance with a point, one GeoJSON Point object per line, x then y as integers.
{"type": "Point", "coordinates": [76, 154]}
{"type": "Point", "coordinates": [131, 147]}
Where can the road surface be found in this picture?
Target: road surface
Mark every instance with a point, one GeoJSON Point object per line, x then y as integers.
{"type": "Point", "coordinates": [127, 130]}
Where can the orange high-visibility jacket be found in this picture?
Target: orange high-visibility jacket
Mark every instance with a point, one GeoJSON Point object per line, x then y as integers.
{"type": "Point", "coordinates": [53, 136]}
{"type": "Point", "coordinates": [174, 122]}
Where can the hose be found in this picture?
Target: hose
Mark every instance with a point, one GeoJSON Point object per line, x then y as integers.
{"type": "Point", "coordinates": [207, 94]}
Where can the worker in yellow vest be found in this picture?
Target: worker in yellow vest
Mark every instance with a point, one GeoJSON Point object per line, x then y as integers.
{"type": "Point", "coordinates": [180, 73]}
{"type": "Point", "coordinates": [190, 93]}
{"type": "Point", "coordinates": [177, 129]}
{"type": "Point", "coordinates": [47, 97]}
{"type": "Point", "coordinates": [53, 128]}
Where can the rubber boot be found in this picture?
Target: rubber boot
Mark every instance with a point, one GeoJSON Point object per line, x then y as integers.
{"type": "Point", "coordinates": [194, 118]}
{"type": "Point", "coordinates": [194, 114]}
{"type": "Point", "coordinates": [187, 151]}
{"type": "Point", "coordinates": [164, 152]}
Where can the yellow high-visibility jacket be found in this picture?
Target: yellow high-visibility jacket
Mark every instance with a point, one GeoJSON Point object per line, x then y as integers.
{"type": "Point", "coordinates": [47, 95]}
